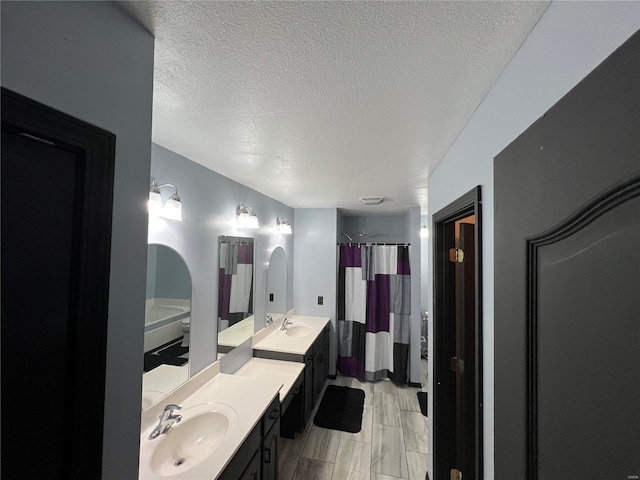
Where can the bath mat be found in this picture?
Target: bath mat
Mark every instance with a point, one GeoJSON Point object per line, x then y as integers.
{"type": "Point", "coordinates": [341, 409]}
{"type": "Point", "coordinates": [422, 399]}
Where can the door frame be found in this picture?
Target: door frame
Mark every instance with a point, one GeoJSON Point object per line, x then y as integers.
{"type": "Point", "coordinates": [89, 299]}
{"type": "Point", "coordinates": [444, 316]}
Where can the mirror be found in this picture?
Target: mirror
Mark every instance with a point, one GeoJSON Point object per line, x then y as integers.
{"type": "Point", "coordinates": [235, 292]}
{"type": "Point", "coordinates": [276, 301]}
{"type": "Point", "coordinates": [166, 323]}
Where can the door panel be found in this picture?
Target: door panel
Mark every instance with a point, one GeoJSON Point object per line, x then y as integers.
{"type": "Point", "coordinates": [564, 277]}
{"type": "Point", "coordinates": [587, 298]}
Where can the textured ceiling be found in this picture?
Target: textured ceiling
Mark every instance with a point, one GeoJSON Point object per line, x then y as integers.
{"type": "Point", "coordinates": [318, 103]}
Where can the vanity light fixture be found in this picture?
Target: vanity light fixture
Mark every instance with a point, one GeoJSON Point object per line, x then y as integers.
{"type": "Point", "coordinates": [247, 217]}
{"type": "Point", "coordinates": [283, 227]}
{"type": "Point", "coordinates": [172, 209]}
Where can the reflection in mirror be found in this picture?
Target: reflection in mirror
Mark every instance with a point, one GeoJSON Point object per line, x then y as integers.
{"type": "Point", "coordinates": [277, 284]}
{"type": "Point", "coordinates": [166, 324]}
{"type": "Point", "coordinates": [235, 292]}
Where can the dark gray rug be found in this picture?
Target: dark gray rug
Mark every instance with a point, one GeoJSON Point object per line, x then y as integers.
{"type": "Point", "coordinates": [341, 409]}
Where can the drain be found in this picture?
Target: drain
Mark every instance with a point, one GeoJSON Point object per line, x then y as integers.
{"type": "Point", "coordinates": [179, 462]}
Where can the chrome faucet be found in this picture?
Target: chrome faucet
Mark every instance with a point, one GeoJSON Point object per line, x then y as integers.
{"type": "Point", "coordinates": [286, 323]}
{"type": "Point", "coordinates": [269, 319]}
{"type": "Point", "coordinates": [167, 418]}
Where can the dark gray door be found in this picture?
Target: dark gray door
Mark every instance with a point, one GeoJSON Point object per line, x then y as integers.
{"type": "Point", "coordinates": [567, 284]}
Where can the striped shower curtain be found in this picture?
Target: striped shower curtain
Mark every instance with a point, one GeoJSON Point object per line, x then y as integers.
{"type": "Point", "coordinates": [374, 307]}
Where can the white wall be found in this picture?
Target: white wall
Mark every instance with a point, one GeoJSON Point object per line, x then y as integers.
{"type": "Point", "coordinates": [209, 203]}
{"type": "Point", "coordinates": [570, 40]}
{"type": "Point", "coordinates": [315, 269]}
{"type": "Point", "coordinates": [92, 61]}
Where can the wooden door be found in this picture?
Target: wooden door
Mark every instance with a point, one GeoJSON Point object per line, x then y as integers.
{"type": "Point", "coordinates": [458, 339]}
{"type": "Point", "coordinates": [567, 284]}
{"type": "Point", "coordinates": [464, 364]}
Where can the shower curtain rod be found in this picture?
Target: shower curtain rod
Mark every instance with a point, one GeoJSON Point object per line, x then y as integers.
{"type": "Point", "coordinates": [405, 244]}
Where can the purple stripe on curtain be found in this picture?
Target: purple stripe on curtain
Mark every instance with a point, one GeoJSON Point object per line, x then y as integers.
{"type": "Point", "coordinates": [245, 254]}
{"type": "Point", "coordinates": [350, 256]}
{"type": "Point", "coordinates": [351, 366]}
{"type": "Point", "coordinates": [403, 261]}
{"type": "Point", "coordinates": [224, 294]}
{"type": "Point", "coordinates": [378, 304]}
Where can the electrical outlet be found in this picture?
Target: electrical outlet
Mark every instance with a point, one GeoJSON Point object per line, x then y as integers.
{"type": "Point", "coordinates": [320, 300]}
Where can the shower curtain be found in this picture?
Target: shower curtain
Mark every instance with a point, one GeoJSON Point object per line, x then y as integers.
{"type": "Point", "coordinates": [374, 307]}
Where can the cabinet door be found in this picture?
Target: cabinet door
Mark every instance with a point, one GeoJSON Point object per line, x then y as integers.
{"type": "Point", "coordinates": [253, 469]}
{"type": "Point", "coordinates": [318, 371]}
{"type": "Point", "coordinates": [270, 453]}
{"type": "Point", "coordinates": [308, 392]}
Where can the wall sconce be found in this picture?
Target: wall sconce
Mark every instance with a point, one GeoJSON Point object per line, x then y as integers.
{"type": "Point", "coordinates": [283, 227]}
{"type": "Point", "coordinates": [172, 209]}
{"type": "Point", "coordinates": [247, 217]}
{"type": "Point", "coordinates": [424, 231]}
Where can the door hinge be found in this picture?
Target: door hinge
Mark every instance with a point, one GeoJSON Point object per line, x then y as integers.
{"type": "Point", "coordinates": [456, 255]}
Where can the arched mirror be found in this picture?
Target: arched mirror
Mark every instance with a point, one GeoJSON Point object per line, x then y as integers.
{"type": "Point", "coordinates": [235, 292]}
{"type": "Point", "coordinates": [277, 284]}
{"type": "Point", "coordinates": [166, 324]}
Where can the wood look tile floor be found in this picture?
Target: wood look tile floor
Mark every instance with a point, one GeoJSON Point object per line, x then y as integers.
{"type": "Point", "coordinates": [391, 445]}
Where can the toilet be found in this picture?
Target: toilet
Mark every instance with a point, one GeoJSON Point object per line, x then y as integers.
{"type": "Point", "coordinates": [184, 324]}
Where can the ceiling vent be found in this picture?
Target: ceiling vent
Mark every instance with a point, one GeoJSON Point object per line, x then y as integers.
{"type": "Point", "coordinates": [371, 200]}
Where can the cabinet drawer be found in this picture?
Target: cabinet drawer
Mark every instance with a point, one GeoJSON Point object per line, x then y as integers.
{"type": "Point", "coordinates": [271, 415]}
{"type": "Point", "coordinates": [295, 390]}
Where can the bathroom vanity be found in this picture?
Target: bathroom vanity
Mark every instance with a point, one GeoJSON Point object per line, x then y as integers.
{"type": "Point", "coordinates": [230, 424]}
{"type": "Point", "coordinates": [305, 341]}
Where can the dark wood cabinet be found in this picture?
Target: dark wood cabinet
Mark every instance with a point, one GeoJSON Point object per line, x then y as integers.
{"type": "Point", "coordinates": [270, 452]}
{"type": "Point", "coordinates": [252, 471]}
{"type": "Point", "coordinates": [298, 410]}
{"type": "Point", "coordinates": [257, 457]}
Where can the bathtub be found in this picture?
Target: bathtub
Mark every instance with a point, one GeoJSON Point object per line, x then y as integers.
{"type": "Point", "coordinates": [162, 320]}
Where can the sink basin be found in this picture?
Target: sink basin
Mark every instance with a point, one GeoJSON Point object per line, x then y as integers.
{"type": "Point", "coordinates": [149, 397]}
{"type": "Point", "coordinates": [201, 431]}
{"type": "Point", "coordinates": [299, 330]}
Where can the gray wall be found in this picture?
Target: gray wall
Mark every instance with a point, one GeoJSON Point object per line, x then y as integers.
{"type": "Point", "coordinates": [209, 203]}
{"type": "Point", "coordinates": [92, 61]}
{"type": "Point", "coordinates": [315, 269]}
{"type": "Point", "coordinates": [569, 41]}
{"type": "Point", "coordinates": [172, 276]}
{"type": "Point", "coordinates": [412, 233]}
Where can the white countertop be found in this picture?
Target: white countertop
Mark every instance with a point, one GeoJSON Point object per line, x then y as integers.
{"type": "Point", "coordinates": [273, 370]}
{"type": "Point", "coordinates": [236, 333]}
{"type": "Point", "coordinates": [160, 381]}
{"type": "Point", "coordinates": [249, 398]}
{"type": "Point", "coordinates": [278, 341]}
